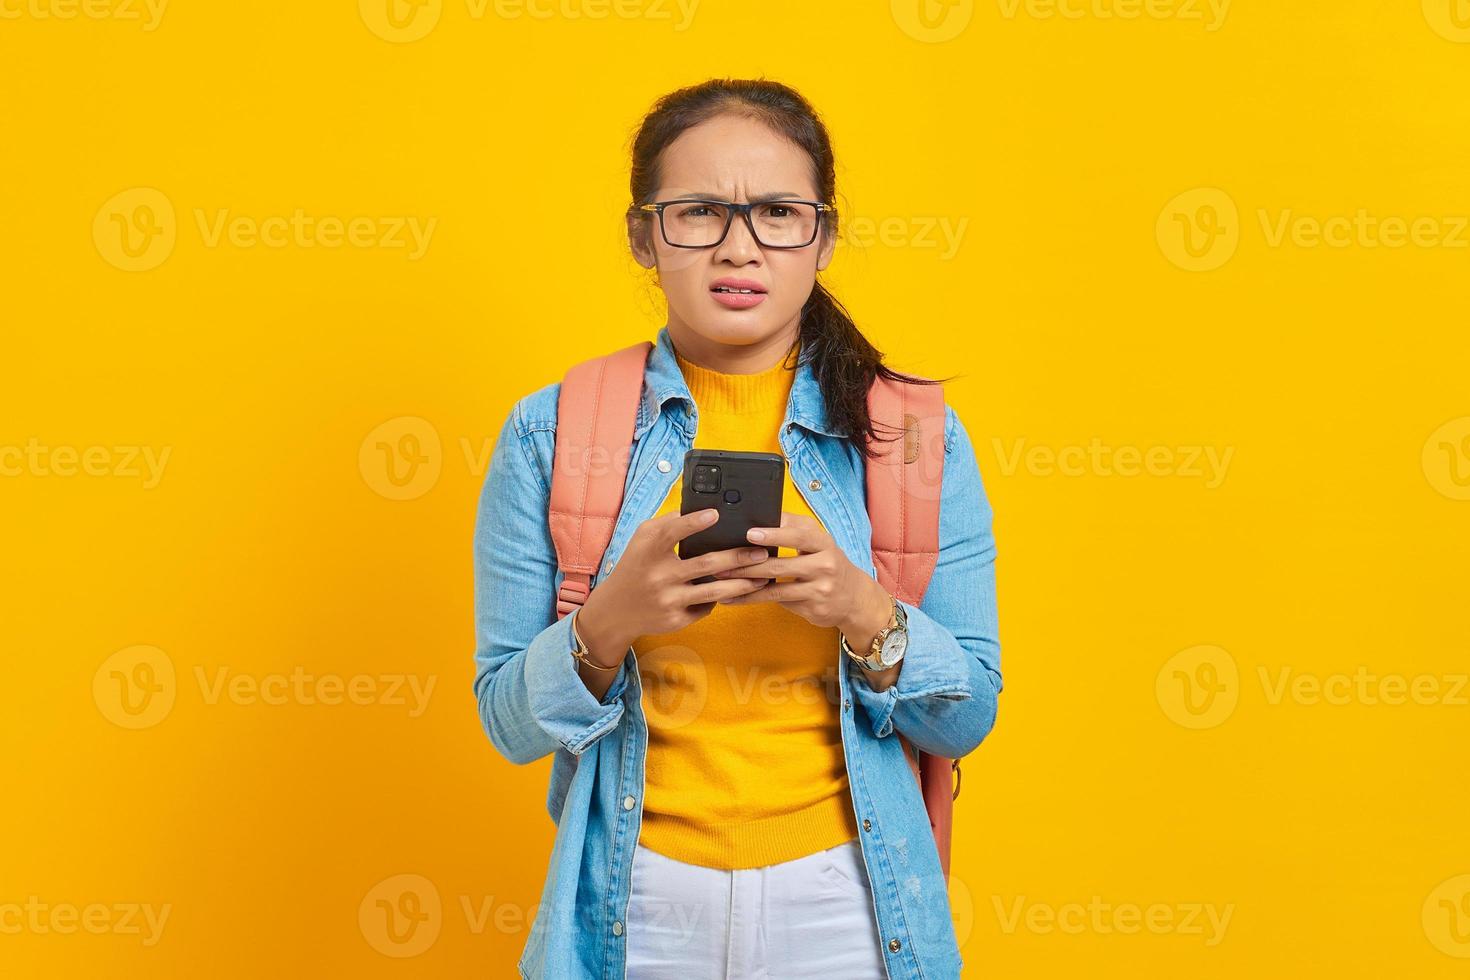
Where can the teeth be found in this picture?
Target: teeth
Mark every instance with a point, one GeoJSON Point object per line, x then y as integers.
{"type": "Point", "coordinates": [727, 289]}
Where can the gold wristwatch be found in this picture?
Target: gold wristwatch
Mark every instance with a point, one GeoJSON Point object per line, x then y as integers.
{"type": "Point", "coordinates": [888, 646]}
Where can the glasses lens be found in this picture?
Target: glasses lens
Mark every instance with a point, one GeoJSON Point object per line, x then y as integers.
{"type": "Point", "coordinates": [778, 224]}
{"type": "Point", "coordinates": [695, 224]}
{"type": "Point", "coordinates": [784, 223]}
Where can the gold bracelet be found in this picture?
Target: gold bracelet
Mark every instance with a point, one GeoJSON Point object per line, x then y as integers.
{"type": "Point", "coordinates": [580, 651]}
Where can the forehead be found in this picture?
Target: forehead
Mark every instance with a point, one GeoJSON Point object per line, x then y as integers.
{"type": "Point", "coordinates": [734, 155]}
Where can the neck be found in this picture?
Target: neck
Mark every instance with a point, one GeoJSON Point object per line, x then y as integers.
{"type": "Point", "coordinates": [752, 358]}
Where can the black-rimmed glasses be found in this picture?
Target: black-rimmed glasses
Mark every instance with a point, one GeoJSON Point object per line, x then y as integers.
{"type": "Point", "coordinates": [697, 223]}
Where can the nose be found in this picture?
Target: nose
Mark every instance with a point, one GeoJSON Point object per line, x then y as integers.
{"type": "Point", "coordinates": [739, 246]}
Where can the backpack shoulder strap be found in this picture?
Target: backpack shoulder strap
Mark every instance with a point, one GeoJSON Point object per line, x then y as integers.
{"type": "Point", "coordinates": [596, 409]}
{"type": "Point", "coordinates": [904, 483]}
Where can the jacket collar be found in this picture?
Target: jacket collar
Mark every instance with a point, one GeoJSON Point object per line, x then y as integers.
{"type": "Point", "coordinates": [664, 382]}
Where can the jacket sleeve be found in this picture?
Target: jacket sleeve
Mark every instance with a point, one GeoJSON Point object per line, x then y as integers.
{"type": "Point", "coordinates": [945, 698]}
{"type": "Point", "coordinates": [531, 699]}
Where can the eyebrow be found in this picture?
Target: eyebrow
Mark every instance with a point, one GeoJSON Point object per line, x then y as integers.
{"type": "Point", "coordinates": [758, 199]}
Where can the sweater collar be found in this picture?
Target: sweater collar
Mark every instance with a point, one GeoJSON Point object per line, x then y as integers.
{"type": "Point", "coordinates": [664, 381]}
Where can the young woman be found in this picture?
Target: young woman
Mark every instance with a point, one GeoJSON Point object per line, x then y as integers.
{"type": "Point", "coordinates": [730, 800]}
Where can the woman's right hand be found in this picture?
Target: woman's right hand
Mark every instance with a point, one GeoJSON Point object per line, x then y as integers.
{"type": "Point", "coordinates": [651, 589]}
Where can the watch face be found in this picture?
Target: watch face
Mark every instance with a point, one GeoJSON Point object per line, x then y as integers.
{"type": "Point", "coordinates": [894, 645]}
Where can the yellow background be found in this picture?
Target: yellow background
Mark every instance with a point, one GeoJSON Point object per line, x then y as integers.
{"type": "Point", "coordinates": [1335, 540]}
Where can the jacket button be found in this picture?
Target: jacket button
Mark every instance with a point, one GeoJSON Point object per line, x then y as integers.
{"type": "Point", "coordinates": [815, 484]}
{"type": "Point", "coordinates": [664, 466]}
{"type": "Point", "coordinates": [894, 945]}
{"type": "Point", "coordinates": [618, 929]}
{"type": "Point", "coordinates": [867, 824]}
{"type": "Point", "coordinates": [627, 803]}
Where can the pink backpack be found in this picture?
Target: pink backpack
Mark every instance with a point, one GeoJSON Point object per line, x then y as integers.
{"type": "Point", "coordinates": [596, 409]}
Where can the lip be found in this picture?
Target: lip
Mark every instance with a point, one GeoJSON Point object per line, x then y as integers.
{"type": "Point", "coordinates": [738, 301]}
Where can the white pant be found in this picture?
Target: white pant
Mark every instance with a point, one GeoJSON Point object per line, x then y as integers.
{"type": "Point", "coordinates": [809, 917]}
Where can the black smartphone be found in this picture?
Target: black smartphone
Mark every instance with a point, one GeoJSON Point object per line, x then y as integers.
{"type": "Point", "coordinates": [745, 487]}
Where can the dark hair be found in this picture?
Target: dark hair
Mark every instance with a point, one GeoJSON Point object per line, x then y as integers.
{"type": "Point", "coordinates": [843, 361]}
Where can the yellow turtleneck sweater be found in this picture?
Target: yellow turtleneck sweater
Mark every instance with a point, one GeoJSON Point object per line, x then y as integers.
{"type": "Point", "coordinates": [744, 765]}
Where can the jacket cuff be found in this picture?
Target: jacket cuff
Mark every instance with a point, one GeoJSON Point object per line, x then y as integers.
{"type": "Point", "coordinates": [934, 666]}
{"type": "Point", "coordinates": [559, 699]}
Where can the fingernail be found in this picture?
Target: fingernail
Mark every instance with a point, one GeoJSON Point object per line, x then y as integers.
{"type": "Point", "coordinates": [755, 554]}
{"type": "Point", "coordinates": [710, 515]}
{"type": "Point", "coordinates": [756, 534]}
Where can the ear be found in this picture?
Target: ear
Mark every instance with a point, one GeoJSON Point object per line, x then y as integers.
{"type": "Point", "coordinates": [639, 240]}
{"type": "Point", "coordinates": [828, 244]}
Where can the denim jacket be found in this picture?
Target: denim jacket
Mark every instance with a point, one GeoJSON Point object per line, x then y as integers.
{"type": "Point", "coordinates": [532, 702]}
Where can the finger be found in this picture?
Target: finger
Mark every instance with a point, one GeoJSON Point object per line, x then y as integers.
{"type": "Point", "coordinates": [799, 566]}
{"type": "Point", "coordinates": [720, 591]}
{"type": "Point", "coordinates": [673, 528]}
{"type": "Point", "coordinates": [797, 532]}
{"type": "Point", "coordinates": [779, 592]}
{"type": "Point", "coordinates": [718, 561]}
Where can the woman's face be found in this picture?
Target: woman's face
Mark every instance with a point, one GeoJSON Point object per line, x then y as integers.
{"type": "Point", "coordinates": [733, 158]}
